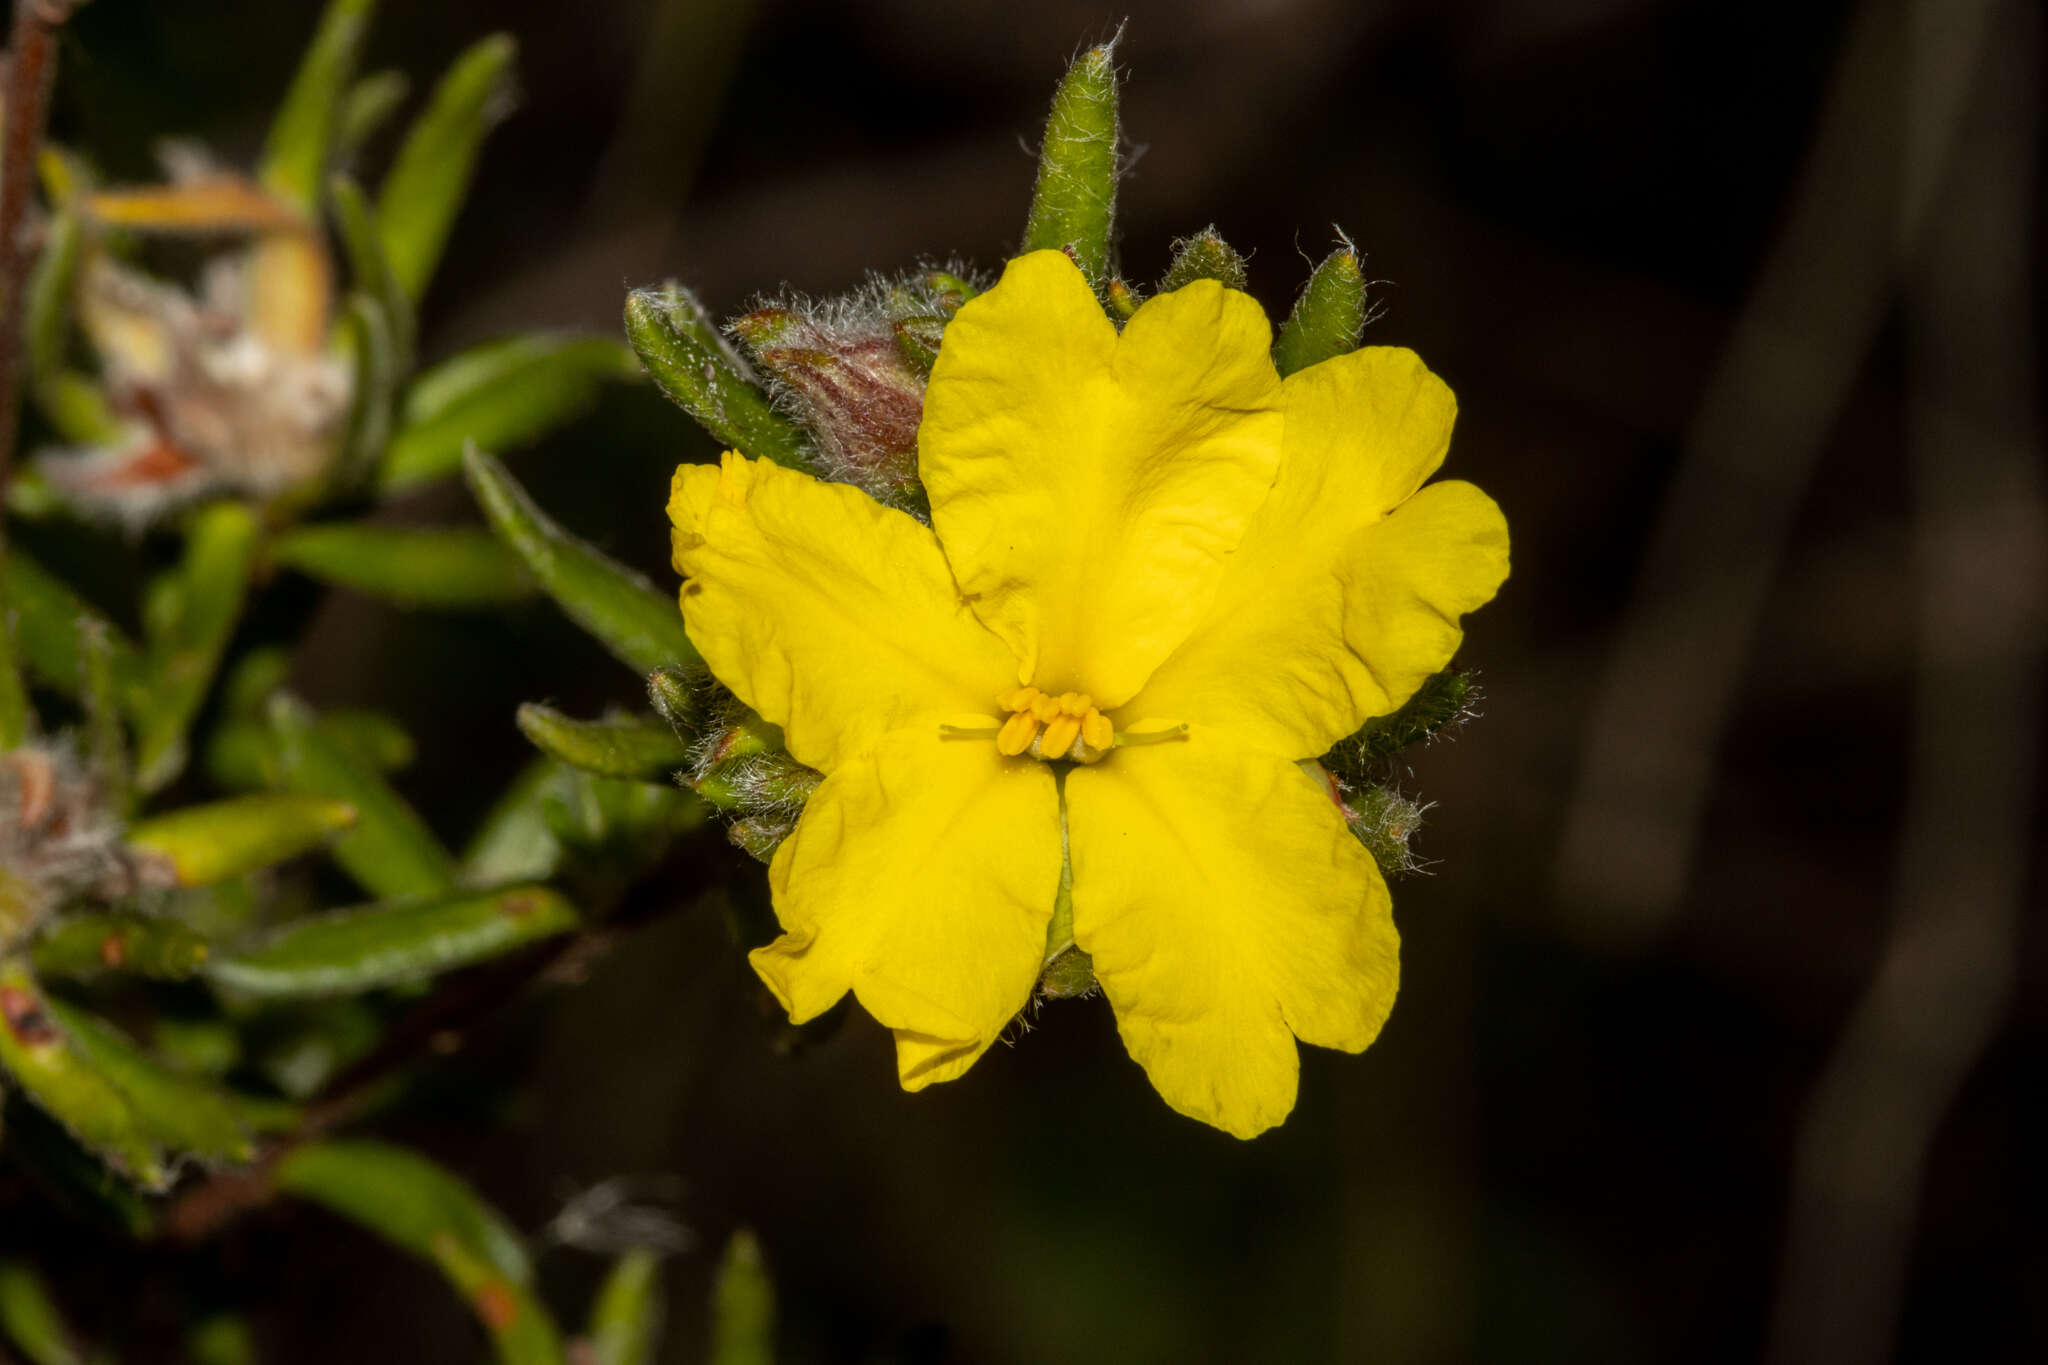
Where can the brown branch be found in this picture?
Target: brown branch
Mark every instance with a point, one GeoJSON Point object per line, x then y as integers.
{"type": "Point", "coordinates": [32, 70]}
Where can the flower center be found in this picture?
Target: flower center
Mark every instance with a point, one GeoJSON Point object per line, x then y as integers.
{"type": "Point", "coordinates": [1048, 727]}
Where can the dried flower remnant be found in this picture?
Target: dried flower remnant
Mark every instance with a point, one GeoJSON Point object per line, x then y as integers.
{"type": "Point", "coordinates": [59, 838]}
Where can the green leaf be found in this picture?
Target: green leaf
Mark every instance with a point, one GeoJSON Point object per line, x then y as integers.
{"type": "Point", "coordinates": [207, 844]}
{"type": "Point", "coordinates": [742, 1306]}
{"type": "Point", "coordinates": [70, 401]}
{"type": "Point", "coordinates": [85, 945]}
{"type": "Point", "coordinates": [422, 1209]}
{"type": "Point", "coordinates": [366, 108]}
{"type": "Point", "coordinates": [223, 1339]}
{"type": "Point", "coordinates": [1328, 317]}
{"type": "Point", "coordinates": [514, 842]}
{"type": "Point", "coordinates": [40, 1148]}
{"type": "Point", "coordinates": [346, 951]}
{"type": "Point", "coordinates": [302, 137]}
{"type": "Point", "coordinates": [415, 567]}
{"type": "Point", "coordinates": [430, 176]}
{"type": "Point", "coordinates": [373, 347]}
{"type": "Point", "coordinates": [696, 367]}
{"type": "Point", "coordinates": [647, 749]}
{"type": "Point", "coordinates": [39, 1054]}
{"type": "Point", "coordinates": [391, 852]}
{"type": "Point", "coordinates": [620, 609]}
{"type": "Point", "coordinates": [244, 754]}
{"type": "Point", "coordinates": [1204, 256]}
{"type": "Point", "coordinates": [183, 1114]}
{"type": "Point", "coordinates": [625, 1326]}
{"type": "Point", "coordinates": [106, 743]}
{"type": "Point", "coordinates": [30, 1318]}
{"type": "Point", "coordinates": [189, 632]}
{"type": "Point", "coordinates": [371, 269]}
{"type": "Point", "coordinates": [46, 619]}
{"type": "Point", "coordinates": [501, 395]}
{"type": "Point", "coordinates": [16, 718]}
{"type": "Point", "coordinates": [1073, 206]}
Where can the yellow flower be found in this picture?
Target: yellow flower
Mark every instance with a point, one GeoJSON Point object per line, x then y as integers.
{"type": "Point", "coordinates": [1153, 560]}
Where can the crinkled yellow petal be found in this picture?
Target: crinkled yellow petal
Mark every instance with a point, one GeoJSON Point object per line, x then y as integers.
{"type": "Point", "coordinates": [921, 877]}
{"type": "Point", "coordinates": [1228, 911]}
{"type": "Point", "coordinates": [1088, 487]}
{"type": "Point", "coordinates": [831, 615]}
{"type": "Point", "coordinates": [1348, 587]}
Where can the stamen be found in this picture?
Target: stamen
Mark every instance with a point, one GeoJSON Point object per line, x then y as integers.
{"type": "Point", "coordinates": [1016, 735]}
{"type": "Point", "coordinates": [1059, 736]}
{"type": "Point", "coordinates": [1096, 731]}
{"type": "Point", "coordinates": [1044, 708]}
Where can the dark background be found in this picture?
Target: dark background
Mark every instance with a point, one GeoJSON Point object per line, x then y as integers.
{"type": "Point", "coordinates": [1720, 1025]}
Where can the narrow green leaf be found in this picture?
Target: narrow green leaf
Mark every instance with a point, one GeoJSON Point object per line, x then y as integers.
{"type": "Point", "coordinates": [1329, 316]}
{"type": "Point", "coordinates": [625, 1326]}
{"type": "Point", "coordinates": [1204, 256]}
{"type": "Point", "coordinates": [514, 843]}
{"type": "Point", "coordinates": [415, 567]}
{"type": "Point", "coordinates": [16, 717]}
{"type": "Point", "coordinates": [244, 754]}
{"type": "Point", "coordinates": [371, 269]}
{"type": "Point", "coordinates": [647, 749]}
{"type": "Point", "coordinates": [366, 108]}
{"type": "Point", "coordinates": [422, 1209]}
{"type": "Point", "coordinates": [51, 1071]}
{"type": "Point", "coordinates": [373, 357]}
{"type": "Point", "coordinates": [501, 395]}
{"type": "Point", "coordinates": [302, 137]}
{"type": "Point", "coordinates": [85, 945]}
{"type": "Point", "coordinates": [223, 1339]}
{"type": "Point", "coordinates": [643, 628]}
{"type": "Point", "coordinates": [211, 843]}
{"type": "Point", "coordinates": [742, 1306]}
{"type": "Point", "coordinates": [701, 372]}
{"type": "Point", "coordinates": [1073, 206]}
{"type": "Point", "coordinates": [430, 176]}
{"type": "Point", "coordinates": [50, 290]}
{"type": "Point", "coordinates": [384, 945]}
{"type": "Point", "coordinates": [187, 641]}
{"type": "Point", "coordinates": [106, 742]}
{"type": "Point", "coordinates": [46, 618]}
{"type": "Point", "coordinates": [180, 1113]}
{"type": "Point", "coordinates": [391, 852]}
{"type": "Point", "coordinates": [30, 1318]}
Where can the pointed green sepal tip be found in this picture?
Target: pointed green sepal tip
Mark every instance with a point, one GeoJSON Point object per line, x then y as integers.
{"type": "Point", "coordinates": [617, 607]}
{"type": "Point", "coordinates": [646, 749]}
{"type": "Point", "coordinates": [625, 1325]}
{"type": "Point", "coordinates": [673, 693]}
{"type": "Point", "coordinates": [1329, 316]}
{"type": "Point", "coordinates": [702, 374]}
{"type": "Point", "coordinates": [202, 845]}
{"type": "Point", "coordinates": [1204, 256]}
{"type": "Point", "coordinates": [1073, 204]}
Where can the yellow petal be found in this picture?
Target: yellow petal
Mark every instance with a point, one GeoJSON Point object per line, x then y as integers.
{"type": "Point", "coordinates": [834, 617]}
{"type": "Point", "coordinates": [1335, 608]}
{"type": "Point", "coordinates": [1088, 487]}
{"type": "Point", "coordinates": [1228, 911]}
{"type": "Point", "coordinates": [921, 877]}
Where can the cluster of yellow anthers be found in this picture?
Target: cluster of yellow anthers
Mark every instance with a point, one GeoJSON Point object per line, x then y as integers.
{"type": "Point", "coordinates": [1067, 726]}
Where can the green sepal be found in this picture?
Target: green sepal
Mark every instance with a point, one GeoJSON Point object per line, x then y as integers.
{"type": "Point", "coordinates": [179, 1112]}
{"type": "Point", "coordinates": [447, 567]}
{"type": "Point", "coordinates": [89, 945]}
{"type": "Point", "coordinates": [1329, 316]}
{"type": "Point", "coordinates": [673, 694]}
{"type": "Point", "coordinates": [390, 852]}
{"type": "Point", "coordinates": [211, 843]}
{"type": "Point", "coordinates": [193, 613]}
{"type": "Point", "coordinates": [1073, 205]}
{"type": "Point", "coordinates": [646, 749]}
{"type": "Point", "coordinates": [422, 1209]}
{"type": "Point", "coordinates": [917, 341]}
{"type": "Point", "coordinates": [625, 1324]}
{"type": "Point", "coordinates": [1443, 699]}
{"type": "Point", "coordinates": [47, 1064]}
{"type": "Point", "coordinates": [742, 1305]}
{"type": "Point", "coordinates": [373, 946]}
{"type": "Point", "coordinates": [303, 135]}
{"type": "Point", "coordinates": [501, 395]}
{"type": "Point", "coordinates": [31, 1320]}
{"type": "Point", "coordinates": [366, 108]}
{"type": "Point", "coordinates": [371, 270]}
{"type": "Point", "coordinates": [643, 628]}
{"type": "Point", "coordinates": [1204, 256]}
{"type": "Point", "coordinates": [700, 371]}
{"type": "Point", "coordinates": [429, 177]}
